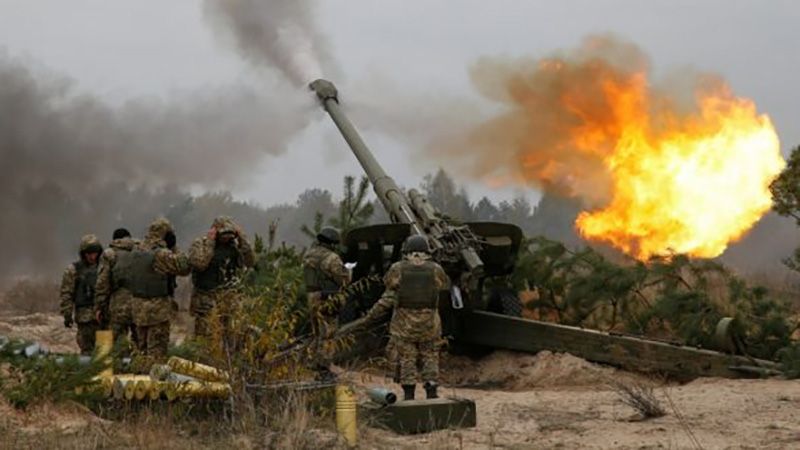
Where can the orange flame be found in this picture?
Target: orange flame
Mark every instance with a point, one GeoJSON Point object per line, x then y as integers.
{"type": "Point", "coordinates": [663, 172]}
{"type": "Point", "coordinates": [691, 187]}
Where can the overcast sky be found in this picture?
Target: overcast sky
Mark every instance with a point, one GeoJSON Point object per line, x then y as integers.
{"type": "Point", "coordinates": [127, 49]}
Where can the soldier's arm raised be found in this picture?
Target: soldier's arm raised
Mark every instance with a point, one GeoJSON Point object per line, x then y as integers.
{"type": "Point", "coordinates": [171, 263]}
{"type": "Point", "coordinates": [67, 292]}
{"type": "Point", "coordinates": [200, 253]}
{"type": "Point", "coordinates": [246, 250]}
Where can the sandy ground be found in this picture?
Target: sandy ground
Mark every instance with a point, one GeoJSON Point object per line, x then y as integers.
{"type": "Point", "coordinates": [550, 411]}
{"type": "Point", "coordinates": [534, 401]}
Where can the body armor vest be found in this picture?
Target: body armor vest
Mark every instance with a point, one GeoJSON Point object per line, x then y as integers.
{"type": "Point", "coordinates": [220, 271]}
{"type": "Point", "coordinates": [85, 280]}
{"type": "Point", "coordinates": [120, 273]}
{"type": "Point", "coordinates": [418, 286]}
{"type": "Point", "coordinates": [134, 270]}
{"type": "Point", "coordinates": [315, 279]}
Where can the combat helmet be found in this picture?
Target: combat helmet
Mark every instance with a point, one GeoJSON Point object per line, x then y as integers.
{"type": "Point", "coordinates": [158, 231]}
{"type": "Point", "coordinates": [224, 224]}
{"type": "Point", "coordinates": [329, 235]}
{"type": "Point", "coordinates": [416, 244]}
{"type": "Point", "coordinates": [90, 244]}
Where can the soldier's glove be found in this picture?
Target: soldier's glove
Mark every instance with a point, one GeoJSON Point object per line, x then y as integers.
{"type": "Point", "coordinates": [68, 321]}
{"type": "Point", "coordinates": [171, 240]}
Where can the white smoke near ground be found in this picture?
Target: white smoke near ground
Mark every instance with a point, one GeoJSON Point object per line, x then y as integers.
{"type": "Point", "coordinates": [274, 33]}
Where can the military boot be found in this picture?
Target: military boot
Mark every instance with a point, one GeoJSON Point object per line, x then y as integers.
{"type": "Point", "coordinates": [408, 391]}
{"type": "Point", "coordinates": [430, 389]}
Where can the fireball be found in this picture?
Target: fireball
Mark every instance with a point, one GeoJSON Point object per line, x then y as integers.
{"type": "Point", "coordinates": [691, 186]}
{"type": "Point", "coordinates": [682, 166]}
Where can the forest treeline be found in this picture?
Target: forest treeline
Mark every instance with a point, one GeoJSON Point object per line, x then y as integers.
{"type": "Point", "coordinates": [119, 205]}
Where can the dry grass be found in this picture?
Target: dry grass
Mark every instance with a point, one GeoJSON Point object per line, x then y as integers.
{"type": "Point", "coordinates": [640, 396]}
{"type": "Point", "coordinates": [283, 421]}
{"type": "Point", "coordinates": [31, 295]}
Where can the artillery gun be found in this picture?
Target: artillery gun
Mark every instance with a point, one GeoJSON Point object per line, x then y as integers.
{"type": "Point", "coordinates": [475, 253]}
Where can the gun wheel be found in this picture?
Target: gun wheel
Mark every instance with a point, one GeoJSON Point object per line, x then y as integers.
{"type": "Point", "coordinates": [505, 301]}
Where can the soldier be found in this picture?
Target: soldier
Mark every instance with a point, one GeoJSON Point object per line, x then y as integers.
{"type": "Point", "coordinates": [148, 270]}
{"type": "Point", "coordinates": [77, 293]}
{"type": "Point", "coordinates": [412, 291]}
{"type": "Point", "coordinates": [324, 274]}
{"type": "Point", "coordinates": [112, 302]}
{"type": "Point", "coordinates": [217, 261]}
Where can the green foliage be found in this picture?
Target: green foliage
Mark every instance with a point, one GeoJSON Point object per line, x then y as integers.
{"type": "Point", "coordinates": [312, 231]}
{"type": "Point", "coordinates": [24, 381]}
{"type": "Point", "coordinates": [786, 188]}
{"type": "Point", "coordinates": [675, 298]}
{"type": "Point", "coordinates": [786, 198]}
{"type": "Point", "coordinates": [258, 244]}
{"type": "Point", "coordinates": [279, 272]}
{"type": "Point", "coordinates": [354, 210]}
{"type": "Point", "coordinates": [790, 360]}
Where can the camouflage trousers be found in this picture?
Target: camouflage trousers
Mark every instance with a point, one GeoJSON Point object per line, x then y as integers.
{"type": "Point", "coordinates": [406, 356]}
{"type": "Point", "coordinates": [214, 314]}
{"type": "Point", "coordinates": [125, 330]}
{"type": "Point", "coordinates": [86, 336]}
{"type": "Point", "coordinates": [203, 306]}
{"type": "Point", "coordinates": [121, 316]}
{"type": "Point", "coordinates": [323, 324]}
{"type": "Point", "coordinates": [153, 340]}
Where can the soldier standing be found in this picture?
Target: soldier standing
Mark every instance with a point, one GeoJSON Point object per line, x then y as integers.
{"type": "Point", "coordinates": [217, 262]}
{"type": "Point", "coordinates": [112, 302]}
{"type": "Point", "coordinates": [77, 293]}
{"type": "Point", "coordinates": [148, 270]}
{"type": "Point", "coordinates": [324, 274]}
{"type": "Point", "coordinates": [412, 291]}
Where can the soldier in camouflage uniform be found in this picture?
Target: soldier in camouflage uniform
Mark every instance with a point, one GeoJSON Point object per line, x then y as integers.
{"type": "Point", "coordinates": [77, 293]}
{"type": "Point", "coordinates": [217, 260]}
{"type": "Point", "coordinates": [149, 270]}
{"type": "Point", "coordinates": [112, 301]}
{"type": "Point", "coordinates": [324, 274]}
{"type": "Point", "coordinates": [412, 291]}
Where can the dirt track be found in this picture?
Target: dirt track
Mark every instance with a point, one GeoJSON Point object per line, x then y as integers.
{"type": "Point", "coordinates": [557, 401]}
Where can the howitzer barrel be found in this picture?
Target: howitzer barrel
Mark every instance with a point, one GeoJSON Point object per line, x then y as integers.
{"type": "Point", "coordinates": [385, 188]}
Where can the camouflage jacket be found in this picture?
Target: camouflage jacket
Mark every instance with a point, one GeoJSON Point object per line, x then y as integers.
{"type": "Point", "coordinates": [202, 251]}
{"type": "Point", "coordinates": [408, 324]}
{"type": "Point", "coordinates": [328, 264]}
{"type": "Point", "coordinates": [69, 281]}
{"type": "Point", "coordinates": [104, 290]}
{"type": "Point", "coordinates": [153, 311]}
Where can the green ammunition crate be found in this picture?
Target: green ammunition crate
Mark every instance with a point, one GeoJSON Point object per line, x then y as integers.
{"type": "Point", "coordinates": [420, 416]}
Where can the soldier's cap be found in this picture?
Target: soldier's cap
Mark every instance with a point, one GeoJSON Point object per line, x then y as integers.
{"type": "Point", "coordinates": [224, 224]}
{"type": "Point", "coordinates": [90, 244]}
{"type": "Point", "coordinates": [120, 233]}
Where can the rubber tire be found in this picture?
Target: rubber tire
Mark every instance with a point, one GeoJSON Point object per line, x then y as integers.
{"type": "Point", "coordinates": [505, 301]}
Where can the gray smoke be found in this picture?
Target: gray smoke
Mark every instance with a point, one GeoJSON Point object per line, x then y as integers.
{"type": "Point", "coordinates": [72, 164]}
{"type": "Point", "coordinates": [274, 33]}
